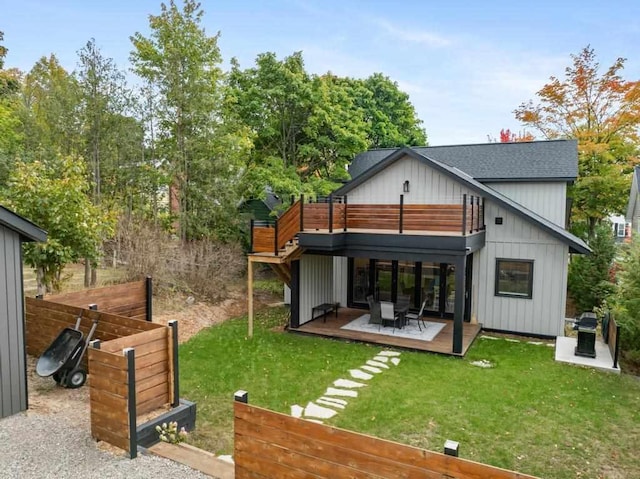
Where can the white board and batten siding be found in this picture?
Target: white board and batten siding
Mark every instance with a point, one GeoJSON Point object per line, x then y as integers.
{"type": "Point", "coordinates": [426, 186]}
{"type": "Point", "coordinates": [316, 284]}
{"type": "Point", "coordinates": [13, 390]}
{"type": "Point", "coordinates": [543, 314]}
{"type": "Point", "coordinates": [548, 199]}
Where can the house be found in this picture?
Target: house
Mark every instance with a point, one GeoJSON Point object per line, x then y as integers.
{"type": "Point", "coordinates": [621, 228]}
{"type": "Point", "coordinates": [633, 207]}
{"type": "Point", "coordinates": [13, 378]}
{"type": "Point", "coordinates": [475, 230]}
{"type": "Point", "coordinates": [261, 208]}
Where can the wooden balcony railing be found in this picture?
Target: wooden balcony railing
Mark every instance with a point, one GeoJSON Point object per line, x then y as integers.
{"type": "Point", "coordinates": [335, 214]}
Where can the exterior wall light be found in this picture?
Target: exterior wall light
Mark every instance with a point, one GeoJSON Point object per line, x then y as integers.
{"type": "Point", "coordinates": [405, 186]}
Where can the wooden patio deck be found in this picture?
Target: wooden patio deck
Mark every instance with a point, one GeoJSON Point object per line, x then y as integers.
{"type": "Point", "coordinates": [442, 343]}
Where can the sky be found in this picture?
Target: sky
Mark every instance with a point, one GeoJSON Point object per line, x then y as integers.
{"type": "Point", "coordinates": [466, 65]}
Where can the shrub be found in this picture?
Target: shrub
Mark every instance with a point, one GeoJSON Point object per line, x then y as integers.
{"type": "Point", "coordinates": [203, 267]}
{"type": "Point", "coordinates": [628, 300]}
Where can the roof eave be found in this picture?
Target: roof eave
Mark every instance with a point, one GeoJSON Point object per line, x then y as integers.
{"type": "Point", "coordinates": [27, 230]}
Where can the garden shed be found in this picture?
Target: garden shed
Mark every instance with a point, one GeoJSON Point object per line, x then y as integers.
{"type": "Point", "coordinates": [13, 378]}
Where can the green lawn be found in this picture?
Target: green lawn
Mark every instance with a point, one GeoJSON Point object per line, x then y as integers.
{"type": "Point", "coordinates": [527, 413]}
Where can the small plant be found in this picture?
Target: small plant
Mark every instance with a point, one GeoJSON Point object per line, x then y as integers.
{"type": "Point", "coordinates": [169, 433]}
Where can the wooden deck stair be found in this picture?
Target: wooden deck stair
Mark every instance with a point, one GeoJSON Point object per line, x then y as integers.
{"type": "Point", "coordinates": [281, 264]}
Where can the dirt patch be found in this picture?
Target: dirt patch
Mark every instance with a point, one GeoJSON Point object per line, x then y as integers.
{"type": "Point", "coordinates": [194, 316]}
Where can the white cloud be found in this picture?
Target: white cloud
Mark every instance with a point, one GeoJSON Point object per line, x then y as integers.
{"type": "Point", "coordinates": [412, 35]}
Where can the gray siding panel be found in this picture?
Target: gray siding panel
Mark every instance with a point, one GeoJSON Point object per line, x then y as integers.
{"type": "Point", "coordinates": [426, 185]}
{"type": "Point", "coordinates": [544, 312]}
{"type": "Point", "coordinates": [316, 283]}
{"type": "Point", "coordinates": [13, 394]}
{"type": "Point", "coordinates": [549, 200]}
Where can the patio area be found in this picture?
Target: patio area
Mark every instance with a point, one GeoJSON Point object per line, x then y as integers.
{"type": "Point", "coordinates": [565, 352]}
{"type": "Point", "coordinates": [332, 327]}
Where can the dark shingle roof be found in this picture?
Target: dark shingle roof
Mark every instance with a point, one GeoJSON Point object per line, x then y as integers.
{"type": "Point", "coordinates": [576, 245]}
{"type": "Point", "coordinates": [25, 228]}
{"type": "Point", "coordinates": [526, 161]}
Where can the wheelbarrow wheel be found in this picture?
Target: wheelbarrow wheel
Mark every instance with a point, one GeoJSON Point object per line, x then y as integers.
{"type": "Point", "coordinates": [76, 378]}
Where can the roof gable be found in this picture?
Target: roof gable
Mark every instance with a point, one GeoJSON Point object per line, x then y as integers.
{"type": "Point", "coordinates": [575, 244]}
{"type": "Point", "coordinates": [25, 228]}
{"type": "Point", "coordinates": [553, 160]}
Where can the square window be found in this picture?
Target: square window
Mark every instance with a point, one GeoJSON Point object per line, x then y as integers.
{"type": "Point", "coordinates": [514, 277]}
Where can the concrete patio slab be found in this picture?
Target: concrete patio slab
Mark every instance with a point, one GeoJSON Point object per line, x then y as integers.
{"type": "Point", "coordinates": [565, 352]}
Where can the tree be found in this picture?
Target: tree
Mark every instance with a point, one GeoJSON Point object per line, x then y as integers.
{"type": "Point", "coordinates": [507, 136]}
{"type": "Point", "coordinates": [10, 137]}
{"type": "Point", "coordinates": [181, 63]}
{"type": "Point", "coordinates": [589, 279]}
{"type": "Point", "coordinates": [391, 117]}
{"type": "Point", "coordinates": [627, 300]}
{"type": "Point", "coordinates": [53, 194]}
{"type": "Point", "coordinates": [601, 111]}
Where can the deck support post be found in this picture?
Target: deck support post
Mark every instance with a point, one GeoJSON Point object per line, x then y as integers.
{"type": "Point", "coordinates": [250, 298]}
{"type": "Point", "coordinates": [458, 310]}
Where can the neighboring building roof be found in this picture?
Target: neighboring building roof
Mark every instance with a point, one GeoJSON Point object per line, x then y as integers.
{"type": "Point", "coordinates": [553, 160]}
{"type": "Point", "coordinates": [633, 194]}
{"type": "Point", "coordinates": [261, 208]}
{"type": "Point", "coordinates": [25, 228]}
{"type": "Point", "coordinates": [576, 245]}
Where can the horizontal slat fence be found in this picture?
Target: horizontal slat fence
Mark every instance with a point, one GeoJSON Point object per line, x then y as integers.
{"type": "Point", "coordinates": [273, 445]}
{"type": "Point", "coordinates": [129, 299]}
{"type": "Point", "coordinates": [109, 397]}
{"type": "Point", "coordinates": [132, 363]}
{"type": "Point", "coordinates": [613, 339]}
{"type": "Point", "coordinates": [45, 320]}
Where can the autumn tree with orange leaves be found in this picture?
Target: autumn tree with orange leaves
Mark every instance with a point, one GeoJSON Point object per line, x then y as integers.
{"type": "Point", "coordinates": [602, 111]}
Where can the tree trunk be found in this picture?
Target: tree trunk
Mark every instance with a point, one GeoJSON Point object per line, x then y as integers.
{"type": "Point", "coordinates": [94, 275]}
{"type": "Point", "coordinates": [41, 289]}
{"type": "Point", "coordinates": [87, 273]}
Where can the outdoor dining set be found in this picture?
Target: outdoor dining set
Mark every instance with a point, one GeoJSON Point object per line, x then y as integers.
{"type": "Point", "coordinates": [397, 315]}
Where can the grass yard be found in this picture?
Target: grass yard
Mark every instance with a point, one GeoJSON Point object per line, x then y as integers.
{"type": "Point", "coordinates": [526, 413]}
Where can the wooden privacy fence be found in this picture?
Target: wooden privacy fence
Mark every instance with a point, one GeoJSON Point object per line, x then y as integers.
{"type": "Point", "coordinates": [132, 363]}
{"type": "Point", "coordinates": [611, 335]}
{"type": "Point", "coordinates": [130, 377]}
{"type": "Point", "coordinates": [132, 300]}
{"type": "Point", "coordinates": [273, 445]}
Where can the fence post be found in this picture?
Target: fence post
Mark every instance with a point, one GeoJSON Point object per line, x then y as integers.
{"type": "Point", "coordinates": [93, 307]}
{"type": "Point", "coordinates": [471, 225]}
{"type": "Point", "coordinates": [464, 214]}
{"type": "Point", "coordinates": [39, 296]}
{"type": "Point", "coordinates": [301, 212]}
{"type": "Point", "coordinates": [251, 235]}
{"type": "Point", "coordinates": [330, 213]}
{"type": "Point", "coordinates": [149, 298]}
{"type": "Point", "coordinates": [617, 350]}
{"type": "Point", "coordinates": [241, 396]}
{"type": "Point", "coordinates": [130, 354]}
{"type": "Point", "coordinates": [451, 448]}
{"type": "Point", "coordinates": [275, 239]}
{"type": "Point", "coordinates": [173, 324]}
{"type": "Point", "coordinates": [345, 212]}
{"type": "Point", "coordinates": [401, 210]}
{"type": "Point", "coordinates": [95, 343]}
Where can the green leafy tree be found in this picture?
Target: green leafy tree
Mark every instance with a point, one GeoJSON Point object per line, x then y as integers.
{"type": "Point", "coordinates": [392, 119]}
{"type": "Point", "coordinates": [589, 279]}
{"type": "Point", "coordinates": [53, 193]}
{"type": "Point", "coordinates": [10, 136]}
{"type": "Point", "coordinates": [181, 63]}
{"type": "Point", "coordinates": [602, 111]}
{"type": "Point", "coordinates": [627, 301]}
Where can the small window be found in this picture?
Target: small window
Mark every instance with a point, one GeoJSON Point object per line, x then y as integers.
{"type": "Point", "coordinates": [514, 277]}
{"type": "Point", "coordinates": [620, 227]}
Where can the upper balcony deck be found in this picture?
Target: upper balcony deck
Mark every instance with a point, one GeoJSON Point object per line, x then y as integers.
{"type": "Point", "coordinates": [335, 215]}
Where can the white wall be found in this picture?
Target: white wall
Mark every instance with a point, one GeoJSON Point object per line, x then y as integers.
{"type": "Point", "coordinates": [316, 284]}
{"type": "Point", "coordinates": [426, 186]}
{"type": "Point", "coordinates": [549, 200]}
{"type": "Point", "coordinates": [340, 279]}
{"type": "Point", "coordinates": [517, 239]}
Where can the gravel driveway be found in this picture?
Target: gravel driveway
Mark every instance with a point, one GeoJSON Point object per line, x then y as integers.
{"type": "Point", "coordinates": [53, 440]}
{"type": "Point", "coordinates": [36, 445]}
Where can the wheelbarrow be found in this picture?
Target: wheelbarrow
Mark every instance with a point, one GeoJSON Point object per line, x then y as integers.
{"type": "Point", "coordinates": [62, 358]}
